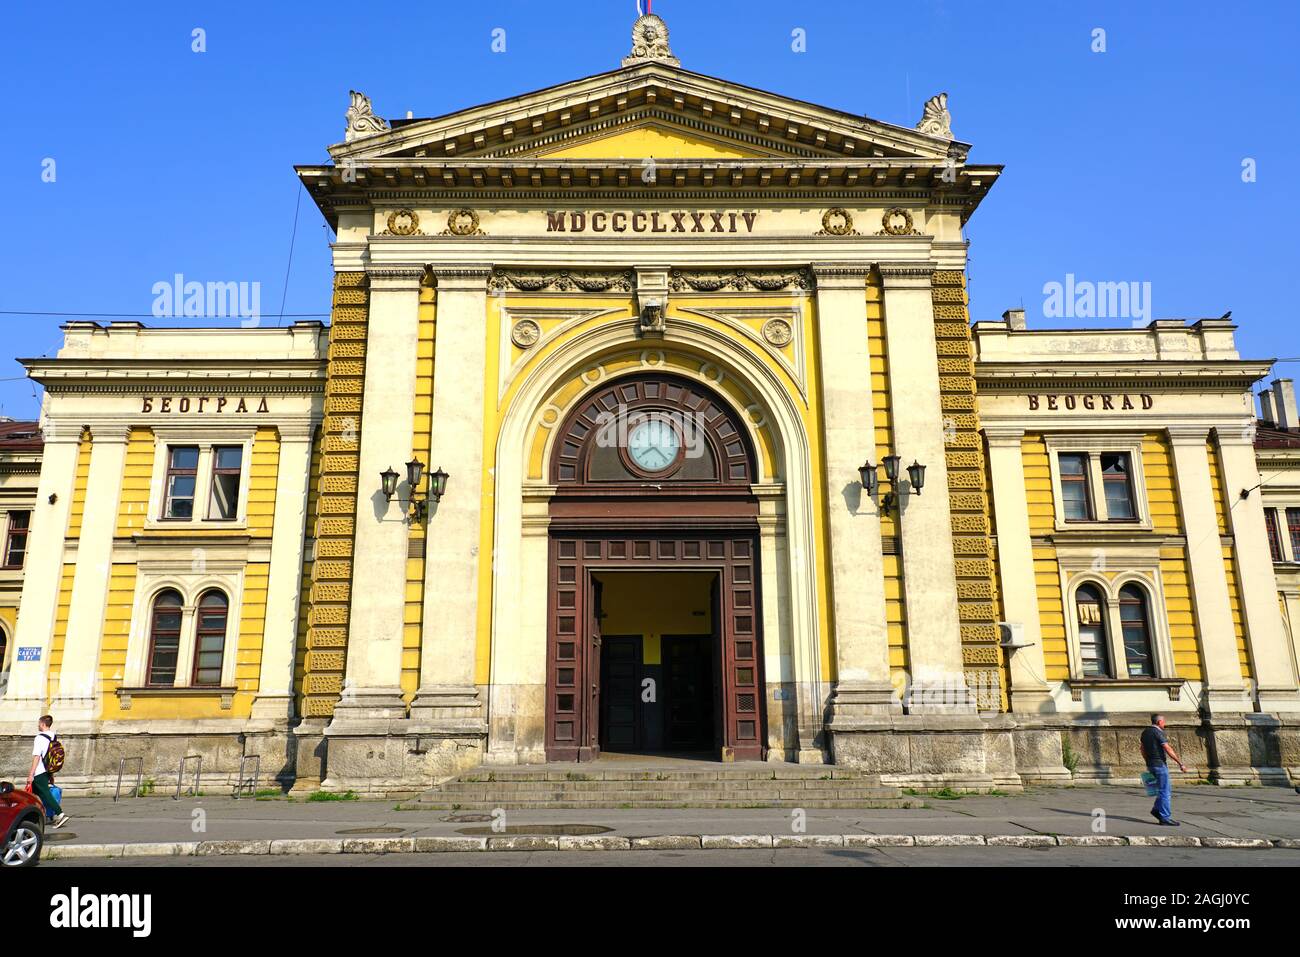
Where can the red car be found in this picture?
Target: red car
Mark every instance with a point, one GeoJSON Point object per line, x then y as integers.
{"type": "Point", "coordinates": [22, 827]}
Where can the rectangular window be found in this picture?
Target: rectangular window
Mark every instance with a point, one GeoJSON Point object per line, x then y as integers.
{"type": "Point", "coordinates": [1274, 538]}
{"type": "Point", "coordinates": [182, 476]}
{"type": "Point", "coordinates": [1075, 500]}
{"type": "Point", "coordinates": [1293, 527]}
{"type": "Point", "coordinates": [16, 539]}
{"type": "Point", "coordinates": [227, 465]}
{"type": "Point", "coordinates": [1117, 486]}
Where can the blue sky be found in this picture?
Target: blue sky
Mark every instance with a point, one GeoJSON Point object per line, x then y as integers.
{"type": "Point", "coordinates": [1123, 165]}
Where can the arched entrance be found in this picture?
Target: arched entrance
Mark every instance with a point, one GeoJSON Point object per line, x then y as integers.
{"type": "Point", "coordinates": [653, 516]}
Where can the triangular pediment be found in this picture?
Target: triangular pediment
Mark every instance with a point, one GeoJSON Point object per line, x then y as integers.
{"type": "Point", "coordinates": [648, 110]}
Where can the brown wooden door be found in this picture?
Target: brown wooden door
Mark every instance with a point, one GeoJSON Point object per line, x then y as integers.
{"type": "Point", "coordinates": [689, 692]}
{"type": "Point", "coordinates": [620, 693]}
{"type": "Point", "coordinates": [591, 735]}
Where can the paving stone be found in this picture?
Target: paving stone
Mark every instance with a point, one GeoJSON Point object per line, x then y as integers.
{"type": "Point", "coordinates": [1236, 842]}
{"type": "Point", "coordinates": [1021, 840]}
{"type": "Point", "coordinates": [1090, 840]}
{"type": "Point", "coordinates": [667, 842]}
{"type": "Point", "coordinates": [594, 842]}
{"type": "Point", "coordinates": [307, 846]}
{"type": "Point", "coordinates": [436, 845]}
{"type": "Point", "coordinates": [224, 848]}
{"type": "Point", "coordinates": [67, 852]}
{"type": "Point", "coordinates": [879, 840]}
{"type": "Point", "coordinates": [379, 845]}
{"type": "Point", "coordinates": [734, 841]}
{"type": "Point", "coordinates": [161, 849]}
{"type": "Point", "coordinates": [1163, 840]}
{"type": "Point", "coordinates": [523, 842]}
{"type": "Point", "coordinates": [949, 840]}
{"type": "Point", "coordinates": [808, 840]}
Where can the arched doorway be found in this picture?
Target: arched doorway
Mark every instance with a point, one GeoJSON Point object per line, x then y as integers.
{"type": "Point", "coordinates": [653, 515]}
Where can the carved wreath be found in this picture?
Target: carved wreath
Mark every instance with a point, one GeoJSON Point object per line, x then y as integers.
{"type": "Point", "coordinates": [462, 222]}
{"type": "Point", "coordinates": [403, 222]}
{"type": "Point", "coordinates": [837, 222]}
{"type": "Point", "coordinates": [893, 228]}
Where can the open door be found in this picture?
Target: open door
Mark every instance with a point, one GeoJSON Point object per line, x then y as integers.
{"type": "Point", "coordinates": [591, 748]}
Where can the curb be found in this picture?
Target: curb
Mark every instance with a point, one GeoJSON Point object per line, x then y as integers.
{"type": "Point", "coordinates": [661, 842]}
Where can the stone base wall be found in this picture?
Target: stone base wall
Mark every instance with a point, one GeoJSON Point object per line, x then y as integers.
{"type": "Point", "coordinates": [962, 752]}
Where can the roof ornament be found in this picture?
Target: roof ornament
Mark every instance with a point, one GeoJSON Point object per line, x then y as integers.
{"type": "Point", "coordinates": [650, 40]}
{"type": "Point", "coordinates": [362, 120]}
{"type": "Point", "coordinates": [936, 120]}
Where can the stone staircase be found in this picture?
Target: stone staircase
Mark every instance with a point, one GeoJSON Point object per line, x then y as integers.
{"type": "Point", "coordinates": [706, 785]}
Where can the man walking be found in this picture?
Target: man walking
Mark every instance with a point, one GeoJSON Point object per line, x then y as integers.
{"type": "Point", "coordinates": [1155, 746]}
{"type": "Point", "coordinates": [39, 778]}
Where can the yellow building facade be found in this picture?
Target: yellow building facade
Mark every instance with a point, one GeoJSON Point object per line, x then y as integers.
{"type": "Point", "coordinates": [704, 456]}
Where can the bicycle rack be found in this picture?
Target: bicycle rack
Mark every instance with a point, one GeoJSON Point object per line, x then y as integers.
{"type": "Point", "coordinates": [248, 782]}
{"type": "Point", "coordinates": [180, 775]}
{"type": "Point", "coordinates": [139, 776]}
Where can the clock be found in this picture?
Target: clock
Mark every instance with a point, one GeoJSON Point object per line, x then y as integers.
{"type": "Point", "coordinates": [654, 445]}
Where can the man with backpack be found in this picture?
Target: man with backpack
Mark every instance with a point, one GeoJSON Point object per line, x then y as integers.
{"type": "Point", "coordinates": [47, 756]}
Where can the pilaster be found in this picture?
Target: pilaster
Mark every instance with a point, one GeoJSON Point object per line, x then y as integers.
{"type": "Point", "coordinates": [1029, 691]}
{"type": "Point", "coordinates": [25, 695]}
{"type": "Point", "coordinates": [926, 541]}
{"type": "Point", "coordinates": [857, 567]}
{"type": "Point", "coordinates": [447, 700]}
{"type": "Point", "coordinates": [1225, 690]}
{"type": "Point", "coordinates": [372, 696]}
{"type": "Point", "coordinates": [1275, 677]}
{"type": "Point", "coordinates": [78, 701]}
{"type": "Point", "coordinates": [273, 706]}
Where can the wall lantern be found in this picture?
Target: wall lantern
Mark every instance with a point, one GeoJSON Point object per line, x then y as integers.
{"type": "Point", "coordinates": [916, 473]}
{"type": "Point", "coordinates": [867, 472]}
{"type": "Point", "coordinates": [870, 482]}
{"type": "Point", "coordinates": [389, 479]}
{"type": "Point", "coordinates": [414, 477]}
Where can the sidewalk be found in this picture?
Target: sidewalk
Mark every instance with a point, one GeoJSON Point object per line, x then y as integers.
{"type": "Point", "coordinates": [1211, 817]}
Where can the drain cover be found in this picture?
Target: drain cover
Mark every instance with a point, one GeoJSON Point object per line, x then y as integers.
{"type": "Point", "coordinates": [574, 829]}
{"type": "Point", "coordinates": [58, 837]}
{"type": "Point", "coordinates": [371, 830]}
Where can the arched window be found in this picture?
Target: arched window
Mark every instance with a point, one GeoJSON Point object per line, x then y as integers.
{"type": "Point", "coordinates": [1137, 632]}
{"type": "Point", "coordinates": [210, 639]}
{"type": "Point", "coordinates": [4, 648]}
{"type": "Point", "coordinates": [1091, 609]}
{"type": "Point", "coordinates": [164, 639]}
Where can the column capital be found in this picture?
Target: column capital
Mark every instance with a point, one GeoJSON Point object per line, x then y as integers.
{"type": "Point", "coordinates": [297, 430]}
{"type": "Point", "coordinates": [845, 276]}
{"type": "Point", "coordinates": [1242, 436]}
{"type": "Point", "coordinates": [1180, 434]}
{"type": "Point", "coordinates": [460, 277]}
{"type": "Point", "coordinates": [110, 433]}
{"type": "Point", "coordinates": [1004, 436]}
{"type": "Point", "coordinates": [905, 275]}
{"type": "Point", "coordinates": [397, 277]}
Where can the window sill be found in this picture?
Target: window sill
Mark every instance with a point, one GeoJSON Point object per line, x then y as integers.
{"type": "Point", "coordinates": [1173, 686]}
{"type": "Point", "coordinates": [227, 695]}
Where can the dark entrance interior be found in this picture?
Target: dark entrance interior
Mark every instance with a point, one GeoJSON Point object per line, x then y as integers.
{"type": "Point", "coordinates": [659, 688]}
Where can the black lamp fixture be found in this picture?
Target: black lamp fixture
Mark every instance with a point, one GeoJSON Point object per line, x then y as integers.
{"type": "Point", "coordinates": [916, 475]}
{"type": "Point", "coordinates": [867, 473]}
{"type": "Point", "coordinates": [415, 475]}
{"type": "Point", "coordinates": [870, 482]}
{"type": "Point", "coordinates": [388, 478]}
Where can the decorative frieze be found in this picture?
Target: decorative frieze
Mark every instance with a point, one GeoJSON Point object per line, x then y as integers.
{"type": "Point", "coordinates": [741, 280]}
{"type": "Point", "coordinates": [563, 280]}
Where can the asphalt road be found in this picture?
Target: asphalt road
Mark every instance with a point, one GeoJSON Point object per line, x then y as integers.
{"type": "Point", "coordinates": [797, 857]}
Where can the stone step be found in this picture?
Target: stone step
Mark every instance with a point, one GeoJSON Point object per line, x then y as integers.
{"type": "Point", "coordinates": [639, 801]}
{"type": "Point", "coordinates": [720, 794]}
{"type": "Point", "coordinates": [812, 788]}
{"type": "Point", "coordinates": [524, 774]}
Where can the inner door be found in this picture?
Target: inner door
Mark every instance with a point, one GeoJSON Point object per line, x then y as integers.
{"type": "Point", "coordinates": [620, 693]}
{"type": "Point", "coordinates": [690, 692]}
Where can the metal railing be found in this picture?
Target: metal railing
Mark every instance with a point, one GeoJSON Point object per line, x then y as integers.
{"type": "Point", "coordinates": [180, 775]}
{"type": "Point", "coordinates": [139, 776]}
{"type": "Point", "coordinates": [245, 781]}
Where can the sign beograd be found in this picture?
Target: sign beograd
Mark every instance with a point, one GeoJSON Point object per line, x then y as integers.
{"type": "Point", "coordinates": [650, 221]}
{"type": "Point", "coordinates": [187, 405]}
{"type": "Point", "coordinates": [1055, 402]}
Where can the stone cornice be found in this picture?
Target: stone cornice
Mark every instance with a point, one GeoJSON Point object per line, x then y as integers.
{"type": "Point", "coordinates": [906, 275]}
{"type": "Point", "coordinates": [1154, 375]}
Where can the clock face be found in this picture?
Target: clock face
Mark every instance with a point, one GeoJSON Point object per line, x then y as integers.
{"type": "Point", "coordinates": [653, 445]}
